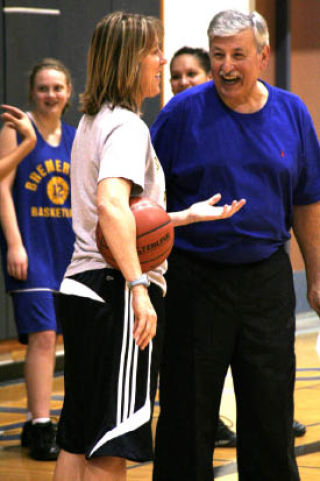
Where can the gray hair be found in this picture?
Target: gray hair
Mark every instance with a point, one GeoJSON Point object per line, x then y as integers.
{"type": "Point", "coordinates": [231, 22]}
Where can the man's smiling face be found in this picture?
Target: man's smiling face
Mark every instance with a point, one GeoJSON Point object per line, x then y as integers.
{"type": "Point", "coordinates": [236, 66]}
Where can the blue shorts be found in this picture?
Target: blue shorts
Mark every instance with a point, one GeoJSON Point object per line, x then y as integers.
{"type": "Point", "coordinates": [34, 312]}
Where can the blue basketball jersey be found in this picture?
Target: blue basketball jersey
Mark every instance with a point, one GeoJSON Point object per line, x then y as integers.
{"type": "Point", "coordinates": [41, 194]}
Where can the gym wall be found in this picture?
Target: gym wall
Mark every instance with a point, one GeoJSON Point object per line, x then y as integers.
{"type": "Point", "coordinates": [31, 30]}
{"type": "Point", "coordinates": [65, 29]}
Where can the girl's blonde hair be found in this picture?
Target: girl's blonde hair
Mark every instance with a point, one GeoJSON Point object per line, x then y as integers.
{"type": "Point", "coordinates": [119, 42]}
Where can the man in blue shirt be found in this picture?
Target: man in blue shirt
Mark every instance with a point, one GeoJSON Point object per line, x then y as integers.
{"type": "Point", "coordinates": [230, 295]}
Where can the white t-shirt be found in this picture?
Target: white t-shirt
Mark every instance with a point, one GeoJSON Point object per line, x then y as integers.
{"type": "Point", "coordinates": [113, 143]}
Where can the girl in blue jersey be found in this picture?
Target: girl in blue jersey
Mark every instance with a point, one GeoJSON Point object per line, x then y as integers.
{"type": "Point", "coordinates": [35, 213]}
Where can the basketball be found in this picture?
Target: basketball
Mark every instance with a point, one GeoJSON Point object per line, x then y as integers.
{"type": "Point", "coordinates": [155, 234]}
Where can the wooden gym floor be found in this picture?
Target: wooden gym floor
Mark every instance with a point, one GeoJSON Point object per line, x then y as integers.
{"type": "Point", "coordinates": [15, 465]}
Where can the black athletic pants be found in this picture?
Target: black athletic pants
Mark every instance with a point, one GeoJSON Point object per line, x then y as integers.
{"type": "Point", "coordinates": [220, 315]}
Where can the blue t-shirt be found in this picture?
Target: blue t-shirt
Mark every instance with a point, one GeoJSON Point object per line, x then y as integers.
{"type": "Point", "coordinates": [270, 157]}
{"type": "Point", "coordinates": [42, 199]}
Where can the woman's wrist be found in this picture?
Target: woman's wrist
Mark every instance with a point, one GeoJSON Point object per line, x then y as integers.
{"type": "Point", "coordinates": [142, 280]}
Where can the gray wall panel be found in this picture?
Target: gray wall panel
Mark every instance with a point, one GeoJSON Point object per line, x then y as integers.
{"type": "Point", "coordinates": [22, 54]}
{"type": "Point", "coordinates": [75, 30]}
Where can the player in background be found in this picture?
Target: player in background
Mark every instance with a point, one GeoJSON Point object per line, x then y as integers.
{"type": "Point", "coordinates": [37, 240]}
{"type": "Point", "coordinates": [189, 67]}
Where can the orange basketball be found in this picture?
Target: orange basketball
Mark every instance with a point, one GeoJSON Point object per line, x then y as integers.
{"type": "Point", "coordinates": [155, 234]}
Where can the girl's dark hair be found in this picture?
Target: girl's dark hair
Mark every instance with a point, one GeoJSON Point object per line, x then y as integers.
{"type": "Point", "coordinates": [199, 53]}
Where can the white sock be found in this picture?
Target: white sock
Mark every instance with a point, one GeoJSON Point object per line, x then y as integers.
{"type": "Point", "coordinates": [40, 420]}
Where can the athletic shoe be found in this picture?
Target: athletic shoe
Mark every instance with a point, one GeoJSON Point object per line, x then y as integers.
{"type": "Point", "coordinates": [224, 436]}
{"type": "Point", "coordinates": [25, 436]}
{"type": "Point", "coordinates": [43, 445]}
{"type": "Point", "coordinates": [298, 429]}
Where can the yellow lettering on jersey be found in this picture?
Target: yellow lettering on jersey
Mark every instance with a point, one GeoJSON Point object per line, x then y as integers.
{"type": "Point", "coordinates": [41, 170]}
{"type": "Point", "coordinates": [51, 212]}
{"type": "Point", "coordinates": [35, 177]}
{"type": "Point", "coordinates": [31, 186]}
{"type": "Point", "coordinates": [49, 165]}
{"type": "Point", "coordinates": [66, 168]}
{"type": "Point", "coordinates": [58, 165]}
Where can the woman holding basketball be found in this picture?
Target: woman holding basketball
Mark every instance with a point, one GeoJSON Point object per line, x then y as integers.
{"type": "Point", "coordinates": [110, 316]}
